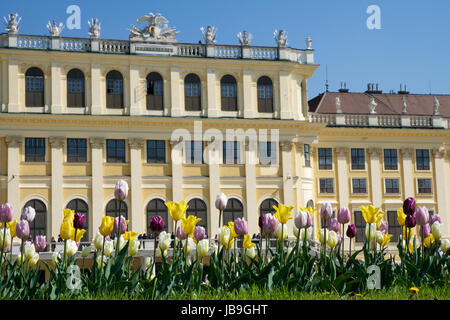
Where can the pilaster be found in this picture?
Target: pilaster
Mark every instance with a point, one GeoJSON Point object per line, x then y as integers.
{"type": "Point", "coordinates": [342, 183]}
{"type": "Point", "coordinates": [14, 143]}
{"type": "Point", "coordinates": [408, 182]}
{"type": "Point", "coordinates": [56, 106]}
{"type": "Point", "coordinates": [250, 187]}
{"type": "Point", "coordinates": [288, 190]}
{"type": "Point", "coordinates": [213, 110]}
{"type": "Point", "coordinates": [97, 145]}
{"type": "Point", "coordinates": [214, 186]}
{"type": "Point", "coordinates": [136, 145]}
{"type": "Point", "coordinates": [175, 89]}
{"type": "Point", "coordinates": [96, 90]}
{"type": "Point", "coordinates": [56, 214]}
{"type": "Point", "coordinates": [375, 176]}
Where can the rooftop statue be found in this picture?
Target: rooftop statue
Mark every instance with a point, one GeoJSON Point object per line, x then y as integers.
{"type": "Point", "coordinates": [210, 35]}
{"type": "Point", "coordinates": [245, 39]}
{"type": "Point", "coordinates": [280, 38]}
{"type": "Point", "coordinates": [436, 107]}
{"type": "Point", "coordinates": [94, 28]}
{"type": "Point", "coordinates": [12, 25]}
{"type": "Point", "coordinates": [156, 29]}
{"type": "Point", "coordinates": [55, 29]}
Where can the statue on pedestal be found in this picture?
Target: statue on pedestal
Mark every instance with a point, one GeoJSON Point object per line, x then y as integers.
{"type": "Point", "coordinates": [94, 29]}
{"type": "Point", "coordinates": [245, 38]}
{"type": "Point", "coordinates": [280, 38]}
{"type": "Point", "coordinates": [55, 29]}
{"type": "Point", "coordinates": [210, 35]}
{"type": "Point", "coordinates": [12, 24]}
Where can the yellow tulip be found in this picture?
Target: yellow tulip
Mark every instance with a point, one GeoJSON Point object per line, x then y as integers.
{"type": "Point", "coordinates": [80, 234]}
{"type": "Point", "coordinates": [386, 240]}
{"type": "Point", "coordinates": [188, 224]}
{"type": "Point", "coordinates": [67, 231]}
{"type": "Point", "coordinates": [230, 243]}
{"type": "Point", "coordinates": [428, 241]}
{"type": "Point", "coordinates": [130, 235]}
{"type": "Point", "coordinates": [309, 209]}
{"type": "Point", "coordinates": [69, 215]}
{"type": "Point", "coordinates": [12, 227]}
{"type": "Point", "coordinates": [107, 226]}
{"type": "Point", "coordinates": [372, 214]}
{"type": "Point", "coordinates": [248, 242]}
{"type": "Point", "coordinates": [177, 210]}
{"type": "Point", "coordinates": [401, 217]}
{"type": "Point", "coordinates": [410, 233]}
{"type": "Point", "coordinates": [233, 233]}
{"type": "Point", "coordinates": [283, 213]}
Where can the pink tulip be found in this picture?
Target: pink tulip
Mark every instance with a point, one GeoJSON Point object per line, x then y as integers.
{"type": "Point", "coordinates": [422, 216]}
{"type": "Point", "coordinates": [326, 211]}
{"type": "Point", "coordinates": [384, 227]}
{"type": "Point", "coordinates": [121, 190]}
{"type": "Point", "coordinates": [199, 233]}
{"type": "Point", "coordinates": [240, 226]}
{"type": "Point", "coordinates": [28, 214]}
{"type": "Point", "coordinates": [434, 218]}
{"type": "Point", "coordinates": [40, 243]}
{"type": "Point", "coordinates": [301, 220]}
{"type": "Point", "coordinates": [23, 229]}
{"type": "Point", "coordinates": [333, 225]}
{"type": "Point", "coordinates": [6, 213]}
{"type": "Point", "coordinates": [123, 225]}
{"type": "Point", "coordinates": [180, 233]}
{"type": "Point", "coordinates": [269, 223]}
{"type": "Point", "coordinates": [343, 215]}
{"type": "Point", "coordinates": [221, 201]}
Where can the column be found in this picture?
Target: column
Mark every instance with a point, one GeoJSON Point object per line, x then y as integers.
{"type": "Point", "coordinates": [288, 192]}
{"type": "Point", "coordinates": [56, 103]}
{"type": "Point", "coordinates": [285, 107]}
{"type": "Point", "coordinates": [442, 186]}
{"type": "Point", "coordinates": [214, 186]}
{"type": "Point", "coordinates": [408, 181]}
{"type": "Point", "coordinates": [342, 183]}
{"type": "Point", "coordinates": [249, 111]}
{"type": "Point", "coordinates": [250, 187]}
{"type": "Point", "coordinates": [14, 143]}
{"type": "Point", "coordinates": [56, 213]}
{"type": "Point", "coordinates": [213, 110]}
{"type": "Point", "coordinates": [97, 144]}
{"type": "Point", "coordinates": [96, 89]}
{"type": "Point", "coordinates": [13, 87]}
{"type": "Point", "coordinates": [175, 93]}
{"type": "Point", "coordinates": [136, 93]}
{"type": "Point", "coordinates": [136, 220]}
{"type": "Point", "coordinates": [375, 176]}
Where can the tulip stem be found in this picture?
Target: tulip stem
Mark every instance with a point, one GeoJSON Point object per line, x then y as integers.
{"type": "Point", "coordinates": [118, 227]}
{"type": "Point", "coordinates": [154, 249]}
{"type": "Point", "coordinates": [64, 261]}
{"type": "Point", "coordinates": [342, 244]}
{"type": "Point", "coordinates": [101, 267]}
{"type": "Point", "coordinates": [3, 248]}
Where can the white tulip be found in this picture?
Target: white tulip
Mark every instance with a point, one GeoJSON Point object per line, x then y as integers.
{"type": "Point", "coordinates": [148, 262]}
{"type": "Point", "coordinates": [436, 230]}
{"type": "Point", "coordinates": [86, 251]}
{"type": "Point", "coordinates": [71, 248]}
{"type": "Point", "coordinates": [28, 251]}
{"type": "Point", "coordinates": [280, 231]}
{"type": "Point", "coordinates": [202, 247]}
{"type": "Point", "coordinates": [133, 249]}
{"type": "Point", "coordinates": [56, 256]}
{"type": "Point", "coordinates": [251, 253]}
{"type": "Point", "coordinates": [109, 248]}
{"type": "Point", "coordinates": [98, 241]}
{"type": "Point", "coordinates": [99, 260]}
{"type": "Point", "coordinates": [445, 245]}
{"type": "Point", "coordinates": [224, 236]}
{"type": "Point", "coordinates": [221, 201]}
{"type": "Point", "coordinates": [164, 240]}
{"type": "Point", "coordinates": [373, 230]}
{"type": "Point", "coordinates": [7, 238]}
{"type": "Point", "coordinates": [122, 242]}
{"type": "Point", "coordinates": [189, 246]}
{"type": "Point", "coordinates": [34, 259]}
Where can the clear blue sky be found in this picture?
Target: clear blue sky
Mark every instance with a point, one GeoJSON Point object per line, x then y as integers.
{"type": "Point", "coordinates": [412, 46]}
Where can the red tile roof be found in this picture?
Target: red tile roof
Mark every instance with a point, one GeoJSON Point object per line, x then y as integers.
{"type": "Point", "coordinates": [357, 103]}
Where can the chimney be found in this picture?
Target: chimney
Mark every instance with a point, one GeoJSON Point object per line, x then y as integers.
{"type": "Point", "coordinates": [373, 88]}
{"type": "Point", "coordinates": [403, 90]}
{"type": "Point", "coordinates": [343, 88]}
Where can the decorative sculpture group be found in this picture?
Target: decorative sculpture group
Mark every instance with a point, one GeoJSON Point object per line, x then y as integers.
{"type": "Point", "coordinates": [94, 28]}
{"type": "Point", "coordinates": [210, 35]}
{"type": "Point", "coordinates": [156, 29]}
{"type": "Point", "coordinates": [12, 24]}
{"type": "Point", "coordinates": [55, 29]}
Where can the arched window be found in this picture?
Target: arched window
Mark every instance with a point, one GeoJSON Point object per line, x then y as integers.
{"type": "Point", "coordinates": [34, 87]}
{"type": "Point", "coordinates": [267, 206]}
{"type": "Point", "coordinates": [192, 93]}
{"type": "Point", "coordinates": [80, 206]}
{"type": "Point", "coordinates": [154, 91]}
{"type": "Point", "coordinates": [75, 89]}
{"type": "Point", "coordinates": [38, 227]}
{"type": "Point", "coordinates": [197, 207]}
{"type": "Point", "coordinates": [112, 208]}
{"type": "Point", "coordinates": [233, 211]}
{"type": "Point", "coordinates": [114, 90]}
{"type": "Point", "coordinates": [228, 89]}
{"type": "Point", "coordinates": [156, 207]}
{"type": "Point", "coordinates": [265, 95]}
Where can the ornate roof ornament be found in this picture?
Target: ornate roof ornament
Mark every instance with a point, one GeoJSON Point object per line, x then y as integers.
{"type": "Point", "coordinates": [436, 107]}
{"type": "Point", "coordinates": [156, 29]}
{"type": "Point", "coordinates": [55, 29]}
{"type": "Point", "coordinates": [404, 106]}
{"type": "Point", "coordinates": [210, 35]}
{"type": "Point", "coordinates": [372, 106]}
{"type": "Point", "coordinates": [245, 38]}
{"type": "Point", "coordinates": [308, 43]}
{"type": "Point", "coordinates": [338, 104]}
{"type": "Point", "coordinates": [280, 38]}
{"type": "Point", "coordinates": [94, 28]}
{"type": "Point", "coordinates": [12, 23]}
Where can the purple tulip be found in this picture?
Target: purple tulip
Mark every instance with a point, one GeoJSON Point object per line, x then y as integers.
{"type": "Point", "coordinates": [240, 226]}
{"type": "Point", "coordinates": [261, 221]}
{"type": "Point", "coordinates": [410, 221]}
{"type": "Point", "coordinates": [199, 233]}
{"type": "Point", "coordinates": [79, 220]}
{"type": "Point", "coordinates": [333, 225]}
{"type": "Point", "coordinates": [434, 218]}
{"type": "Point", "coordinates": [426, 230]}
{"type": "Point", "coordinates": [121, 190]}
{"type": "Point", "coordinates": [123, 225]}
{"type": "Point", "coordinates": [40, 243]}
{"type": "Point", "coordinates": [8, 248]}
{"type": "Point", "coordinates": [422, 216]}
{"type": "Point", "coordinates": [409, 206]}
{"type": "Point", "coordinates": [351, 231]}
{"type": "Point", "coordinates": [23, 229]}
{"type": "Point", "coordinates": [326, 211]}
{"type": "Point", "coordinates": [339, 239]}
{"type": "Point", "coordinates": [308, 222]}
{"type": "Point", "coordinates": [269, 224]}
{"type": "Point", "coordinates": [384, 227]}
{"type": "Point", "coordinates": [28, 214]}
{"type": "Point", "coordinates": [343, 215]}
{"type": "Point", "coordinates": [157, 224]}
{"type": "Point", "coordinates": [301, 220]}
{"type": "Point", "coordinates": [6, 213]}
{"type": "Point", "coordinates": [180, 233]}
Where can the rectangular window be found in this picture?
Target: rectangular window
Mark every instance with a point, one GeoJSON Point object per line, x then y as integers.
{"type": "Point", "coordinates": [360, 224]}
{"type": "Point", "coordinates": [394, 226]}
{"type": "Point", "coordinates": [307, 155]}
{"type": "Point", "coordinates": [156, 151]}
{"type": "Point", "coordinates": [228, 90]}
{"type": "Point", "coordinates": [114, 86]}
{"type": "Point", "coordinates": [34, 149]}
{"type": "Point", "coordinates": [265, 91]}
{"type": "Point", "coordinates": [115, 151]}
{"type": "Point", "coordinates": [192, 89]}
{"type": "Point", "coordinates": [35, 84]}
{"type": "Point", "coordinates": [392, 186]}
{"type": "Point", "coordinates": [230, 152]}
{"type": "Point", "coordinates": [75, 85]}
{"type": "Point", "coordinates": [424, 185]}
{"type": "Point", "coordinates": [390, 159]}
{"type": "Point", "coordinates": [358, 159]}
{"type": "Point", "coordinates": [76, 150]}
{"type": "Point", "coordinates": [423, 159]}
{"type": "Point", "coordinates": [325, 159]}
{"type": "Point", "coordinates": [194, 152]}
{"type": "Point", "coordinates": [267, 153]}
{"type": "Point", "coordinates": [359, 186]}
{"type": "Point", "coordinates": [326, 185]}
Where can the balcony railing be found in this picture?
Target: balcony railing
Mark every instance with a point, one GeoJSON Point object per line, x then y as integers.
{"type": "Point", "coordinates": [155, 48]}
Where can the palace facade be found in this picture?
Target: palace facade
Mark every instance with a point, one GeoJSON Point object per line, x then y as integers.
{"type": "Point", "coordinates": [79, 114]}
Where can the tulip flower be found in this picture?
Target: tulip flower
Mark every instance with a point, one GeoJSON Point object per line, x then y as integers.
{"type": "Point", "coordinates": [434, 218]}
{"type": "Point", "coordinates": [428, 241]}
{"type": "Point", "coordinates": [233, 233]}
{"type": "Point", "coordinates": [148, 262]}
{"type": "Point", "coordinates": [333, 225]}
{"type": "Point", "coordinates": [283, 213]}
{"type": "Point", "coordinates": [71, 248]}
{"type": "Point", "coordinates": [384, 227]}
{"type": "Point", "coordinates": [269, 223]}
{"type": "Point", "coordinates": [301, 220]}
{"type": "Point", "coordinates": [86, 251]}
{"type": "Point", "coordinates": [164, 240]}
{"type": "Point", "coordinates": [422, 216]}
{"type": "Point", "coordinates": [121, 190]}
{"type": "Point", "coordinates": [56, 256]}
{"type": "Point", "coordinates": [180, 233]}
{"type": "Point", "coordinates": [199, 233]}
{"type": "Point", "coordinates": [5, 239]}
{"type": "Point", "coordinates": [33, 260]}
{"type": "Point", "coordinates": [251, 253]}
{"type": "Point", "coordinates": [98, 241]}
{"type": "Point", "coordinates": [79, 220]}
{"type": "Point", "coordinates": [129, 236]}
{"type": "Point", "coordinates": [436, 230]}
{"type": "Point", "coordinates": [28, 214]}
{"type": "Point", "coordinates": [162, 253]}
{"type": "Point", "coordinates": [69, 215]}
{"type": "Point", "coordinates": [240, 226]}
{"type": "Point", "coordinates": [67, 231]}
{"type": "Point", "coordinates": [288, 253]}
{"type": "Point", "coordinates": [372, 214]}
{"type": "Point", "coordinates": [40, 243]}
{"type": "Point", "coordinates": [343, 215]}
{"type": "Point", "coordinates": [20, 259]}
{"type": "Point", "coordinates": [101, 261]}
{"type": "Point", "coordinates": [408, 232]}
{"type": "Point", "coordinates": [6, 213]}
{"type": "Point", "coordinates": [157, 224]}
{"type": "Point", "coordinates": [224, 236]}
{"type": "Point", "coordinates": [425, 230]}
{"type": "Point", "coordinates": [189, 245]}
{"type": "Point", "coordinates": [109, 248]}
{"type": "Point", "coordinates": [371, 230]}
{"type": "Point", "coordinates": [295, 230]}
{"type": "Point", "coordinates": [123, 225]}
{"type": "Point", "coordinates": [322, 234]}
{"type": "Point", "coordinates": [401, 217]}
{"type": "Point", "coordinates": [445, 245]}
{"type": "Point", "coordinates": [326, 211]}
{"type": "Point", "coordinates": [261, 221]}
{"type": "Point", "coordinates": [332, 239]}
{"type": "Point", "coordinates": [188, 224]}
{"type": "Point", "coordinates": [409, 206]}
{"type": "Point", "coordinates": [410, 246]}
{"type": "Point", "coordinates": [309, 209]}
{"type": "Point", "coordinates": [107, 226]}
{"type": "Point", "coordinates": [28, 250]}
{"type": "Point", "coordinates": [23, 229]}
{"type": "Point", "coordinates": [202, 248]}
{"type": "Point", "coordinates": [351, 231]}
{"type": "Point", "coordinates": [133, 249]}
{"type": "Point", "coordinates": [308, 231]}
{"type": "Point", "coordinates": [339, 238]}
{"type": "Point", "coordinates": [12, 228]}
{"type": "Point", "coordinates": [280, 233]}
{"type": "Point", "coordinates": [248, 242]}
{"type": "Point", "coordinates": [122, 242]}
{"type": "Point", "coordinates": [410, 221]}
{"type": "Point", "coordinates": [177, 210]}
{"type": "Point", "coordinates": [221, 201]}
